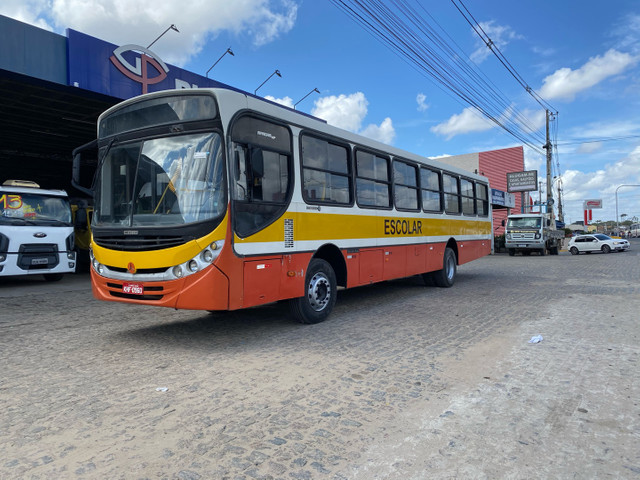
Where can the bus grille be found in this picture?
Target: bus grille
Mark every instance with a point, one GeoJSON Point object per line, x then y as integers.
{"type": "Point", "coordinates": [139, 242]}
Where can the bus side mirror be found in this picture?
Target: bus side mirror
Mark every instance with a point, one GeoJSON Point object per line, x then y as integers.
{"type": "Point", "coordinates": [85, 162]}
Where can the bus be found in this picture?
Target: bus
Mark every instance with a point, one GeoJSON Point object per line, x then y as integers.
{"type": "Point", "coordinates": [215, 199]}
{"type": "Point", "coordinates": [36, 231]}
{"type": "Point", "coordinates": [634, 230]}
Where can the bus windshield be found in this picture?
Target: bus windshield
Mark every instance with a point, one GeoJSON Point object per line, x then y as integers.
{"type": "Point", "coordinates": [163, 181]}
{"type": "Point", "coordinates": [33, 209]}
{"type": "Point", "coordinates": [524, 222]}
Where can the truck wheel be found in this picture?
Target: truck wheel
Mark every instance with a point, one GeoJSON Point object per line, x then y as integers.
{"type": "Point", "coordinates": [606, 249]}
{"type": "Point", "coordinates": [53, 277]}
{"type": "Point", "coordinates": [512, 251]}
{"type": "Point", "coordinates": [446, 277]}
{"type": "Point", "coordinates": [574, 251]}
{"type": "Point", "coordinates": [320, 294]}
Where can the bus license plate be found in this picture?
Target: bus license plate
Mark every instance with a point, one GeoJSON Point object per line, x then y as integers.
{"type": "Point", "coordinates": [133, 288]}
{"type": "Point", "coordinates": [522, 244]}
{"type": "Point", "coordinates": [39, 261]}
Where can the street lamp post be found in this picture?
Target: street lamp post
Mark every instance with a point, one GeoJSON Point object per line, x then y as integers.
{"type": "Point", "coordinates": [170, 27]}
{"type": "Point", "coordinates": [277, 72]}
{"type": "Point", "coordinates": [314, 90]}
{"type": "Point", "coordinates": [618, 188]}
{"type": "Point", "coordinates": [229, 51]}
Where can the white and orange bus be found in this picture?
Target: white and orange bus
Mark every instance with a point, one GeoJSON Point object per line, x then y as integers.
{"type": "Point", "coordinates": [215, 199]}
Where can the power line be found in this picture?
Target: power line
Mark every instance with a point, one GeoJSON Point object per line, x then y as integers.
{"type": "Point", "coordinates": [402, 29]}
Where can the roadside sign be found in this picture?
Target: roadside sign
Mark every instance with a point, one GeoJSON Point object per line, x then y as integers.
{"type": "Point", "coordinates": [522, 181]}
{"type": "Point", "coordinates": [592, 204]}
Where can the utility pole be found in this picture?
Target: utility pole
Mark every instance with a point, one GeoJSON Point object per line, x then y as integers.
{"type": "Point", "coordinates": [560, 214]}
{"type": "Point", "coordinates": [547, 146]}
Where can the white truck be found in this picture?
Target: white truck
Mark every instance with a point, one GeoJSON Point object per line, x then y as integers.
{"type": "Point", "coordinates": [36, 231]}
{"type": "Point", "coordinates": [532, 232]}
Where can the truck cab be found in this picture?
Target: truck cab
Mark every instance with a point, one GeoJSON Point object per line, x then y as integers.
{"type": "Point", "coordinates": [36, 231]}
{"type": "Point", "coordinates": [531, 232]}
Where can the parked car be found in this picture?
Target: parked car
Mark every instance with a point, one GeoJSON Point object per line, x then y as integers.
{"type": "Point", "coordinates": [597, 242]}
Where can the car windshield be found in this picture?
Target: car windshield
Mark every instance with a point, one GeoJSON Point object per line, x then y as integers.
{"type": "Point", "coordinates": [163, 181]}
{"type": "Point", "coordinates": [33, 209]}
{"type": "Point", "coordinates": [524, 222]}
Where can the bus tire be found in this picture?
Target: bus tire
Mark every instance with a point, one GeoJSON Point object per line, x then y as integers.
{"type": "Point", "coordinates": [320, 294]}
{"type": "Point", "coordinates": [512, 251]}
{"type": "Point", "coordinates": [446, 277]}
{"type": "Point", "coordinates": [53, 277]}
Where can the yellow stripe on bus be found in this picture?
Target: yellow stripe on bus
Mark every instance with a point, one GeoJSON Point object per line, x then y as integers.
{"type": "Point", "coordinates": [314, 226]}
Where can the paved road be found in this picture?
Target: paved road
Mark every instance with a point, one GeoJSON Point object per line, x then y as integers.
{"type": "Point", "coordinates": [402, 382]}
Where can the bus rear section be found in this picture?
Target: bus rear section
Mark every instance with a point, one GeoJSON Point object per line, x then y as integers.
{"type": "Point", "coordinates": [36, 234]}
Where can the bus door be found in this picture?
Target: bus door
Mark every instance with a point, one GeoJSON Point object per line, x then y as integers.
{"type": "Point", "coordinates": [262, 181]}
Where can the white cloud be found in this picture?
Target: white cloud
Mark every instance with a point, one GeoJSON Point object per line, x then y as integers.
{"type": "Point", "coordinates": [286, 101]}
{"type": "Point", "coordinates": [565, 83]}
{"type": "Point", "coordinates": [421, 100]}
{"type": "Point", "coordinates": [140, 22]}
{"type": "Point", "coordinates": [590, 147]}
{"type": "Point", "coordinates": [466, 122]}
{"type": "Point", "coordinates": [603, 183]}
{"type": "Point", "coordinates": [348, 112]}
{"type": "Point", "coordinates": [343, 111]}
{"type": "Point", "coordinates": [499, 35]}
{"type": "Point", "coordinates": [384, 132]}
{"type": "Point", "coordinates": [27, 11]}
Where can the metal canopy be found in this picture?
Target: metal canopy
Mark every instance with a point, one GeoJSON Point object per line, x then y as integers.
{"type": "Point", "coordinates": [40, 125]}
{"type": "Point", "coordinates": [46, 119]}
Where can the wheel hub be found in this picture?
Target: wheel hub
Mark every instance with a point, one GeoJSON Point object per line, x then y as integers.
{"type": "Point", "coordinates": [319, 292]}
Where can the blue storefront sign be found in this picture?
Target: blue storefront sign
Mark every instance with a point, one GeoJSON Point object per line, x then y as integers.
{"type": "Point", "coordinates": [125, 71]}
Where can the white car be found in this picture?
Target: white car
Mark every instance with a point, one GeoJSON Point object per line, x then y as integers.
{"type": "Point", "coordinates": [597, 243]}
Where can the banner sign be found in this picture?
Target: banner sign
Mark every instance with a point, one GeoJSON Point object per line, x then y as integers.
{"type": "Point", "coordinates": [592, 204]}
{"type": "Point", "coordinates": [125, 71]}
{"type": "Point", "coordinates": [522, 181]}
{"type": "Point", "coordinates": [502, 199]}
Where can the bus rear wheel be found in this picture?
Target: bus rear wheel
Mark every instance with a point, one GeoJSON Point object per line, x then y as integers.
{"type": "Point", "coordinates": [319, 295]}
{"type": "Point", "coordinates": [446, 277]}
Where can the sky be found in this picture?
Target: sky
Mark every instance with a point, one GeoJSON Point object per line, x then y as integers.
{"type": "Point", "coordinates": [580, 57]}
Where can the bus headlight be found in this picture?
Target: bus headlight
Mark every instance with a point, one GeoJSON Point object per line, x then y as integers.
{"type": "Point", "coordinates": [200, 261]}
{"type": "Point", "coordinates": [207, 256]}
{"type": "Point", "coordinates": [177, 271]}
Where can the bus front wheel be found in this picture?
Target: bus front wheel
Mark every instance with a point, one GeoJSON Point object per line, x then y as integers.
{"type": "Point", "coordinates": [319, 294]}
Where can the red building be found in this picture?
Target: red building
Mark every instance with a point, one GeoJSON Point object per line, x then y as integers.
{"type": "Point", "coordinates": [494, 165]}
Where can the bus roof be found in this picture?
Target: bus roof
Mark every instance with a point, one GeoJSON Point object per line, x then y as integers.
{"type": "Point", "coordinates": [237, 101]}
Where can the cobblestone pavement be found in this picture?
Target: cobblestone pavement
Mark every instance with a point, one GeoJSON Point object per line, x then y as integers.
{"type": "Point", "coordinates": [402, 382]}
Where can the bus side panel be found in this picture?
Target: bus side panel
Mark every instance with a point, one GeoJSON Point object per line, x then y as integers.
{"type": "Point", "coordinates": [416, 259]}
{"type": "Point", "coordinates": [292, 277]}
{"type": "Point", "coordinates": [472, 250]}
{"type": "Point", "coordinates": [353, 268]}
{"type": "Point", "coordinates": [395, 262]}
{"type": "Point", "coordinates": [261, 281]}
{"type": "Point", "coordinates": [371, 266]}
{"type": "Point", "coordinates": [435, 256]}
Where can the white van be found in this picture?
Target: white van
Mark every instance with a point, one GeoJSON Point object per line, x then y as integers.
{"type": "Point", "coordinates": [36, 231]}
